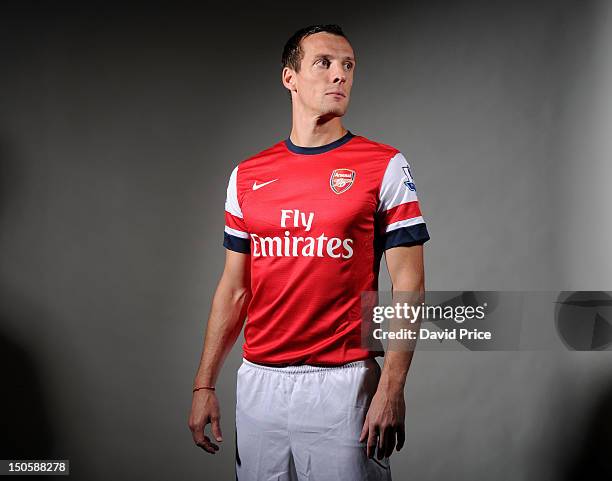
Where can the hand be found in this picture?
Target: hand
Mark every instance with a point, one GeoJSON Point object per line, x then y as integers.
{"type": "Point", "coordinates": [204, 410]}
{"type": "Point", "coordinates": [385, 419]}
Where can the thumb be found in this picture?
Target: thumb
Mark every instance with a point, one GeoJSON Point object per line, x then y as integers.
{"type": "Point", "coordinates": [216, 430]}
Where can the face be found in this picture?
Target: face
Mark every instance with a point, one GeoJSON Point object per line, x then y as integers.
{"type": "Point", "coordinates": [323, 84]}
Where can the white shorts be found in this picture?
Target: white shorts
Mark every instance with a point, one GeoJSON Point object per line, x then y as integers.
{"type": "Point", "coordinates": [303, 423]}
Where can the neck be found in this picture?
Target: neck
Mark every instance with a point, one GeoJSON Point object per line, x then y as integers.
{"type": "Point", "coordinates": [314, 131]}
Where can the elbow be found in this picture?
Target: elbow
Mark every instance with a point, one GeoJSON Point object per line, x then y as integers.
{"type": "Point", "coordinates": [410, 284]}
{"type": "Point", "coordinates": [411, 288]}
{"type": "Point", "coordinates": [241, 295]}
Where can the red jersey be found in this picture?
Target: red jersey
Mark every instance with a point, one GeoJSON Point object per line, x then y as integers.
{"type": "Point", "coordinates": [315, 221]}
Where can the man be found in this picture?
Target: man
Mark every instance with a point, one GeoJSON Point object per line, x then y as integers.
{"type": "Point", "coordinates": [307, 221]}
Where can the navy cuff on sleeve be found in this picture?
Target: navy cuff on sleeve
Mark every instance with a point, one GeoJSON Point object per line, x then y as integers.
{"type": "Point", "coordinates": [411, 235]}
{"type": "Point", "coordinates": [237, 244]}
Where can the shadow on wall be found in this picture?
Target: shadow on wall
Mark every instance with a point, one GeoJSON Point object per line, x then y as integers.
{"type": "Point", "coordinates": [25, 424]}
{"type": "Point", "coordinates": [26, 428]}
{"type": "Point", "coordinates": [592, 460]}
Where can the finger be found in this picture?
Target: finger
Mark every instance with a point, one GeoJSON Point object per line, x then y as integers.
{"type": "Point", "coordinates": [371, 441]}
{"type": "Point", "coordinates": [208, 446]}
{"type": "Point", "coordinates": [197, 433]}
{"type": "Point", "coordinates": [382, 443]}
{"type": "Point", "coordinates": [389, 443]}
{"type": "Point", "coordinates": [216, 429]}
{"type": "Point", "coordinates": [364, 431]}
{"type": "Point", "coordinates": [401, 437]}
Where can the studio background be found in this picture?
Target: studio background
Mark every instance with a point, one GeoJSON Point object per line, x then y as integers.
{"type": "Point", "coordinates": [119, 128]}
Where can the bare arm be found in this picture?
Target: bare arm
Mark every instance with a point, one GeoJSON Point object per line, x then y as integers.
{"type": "Point", "coordinates": [225, 322]}
{"type": "Point", "coordinates": [385, 417]}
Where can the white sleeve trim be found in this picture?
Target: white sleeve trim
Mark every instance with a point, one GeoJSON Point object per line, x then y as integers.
{"type": "Point", "coordinates": [231, 201]}
{"type": "Point", "coordinates": [393, 191]}
{"type": "Point", "coordinates": [236, 233]}
{"type": "Point", "coordinates": [404, 223]}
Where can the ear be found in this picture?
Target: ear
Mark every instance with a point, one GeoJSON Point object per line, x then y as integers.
{"type": "Point", "coordinates": [288, 79]}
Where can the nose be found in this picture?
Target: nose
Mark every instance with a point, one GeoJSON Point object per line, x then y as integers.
{"type": "Point", "coordinates": [339, 74]}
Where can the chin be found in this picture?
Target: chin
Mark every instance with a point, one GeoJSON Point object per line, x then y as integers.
{"type": "Point", "coordinates": [336, 111]}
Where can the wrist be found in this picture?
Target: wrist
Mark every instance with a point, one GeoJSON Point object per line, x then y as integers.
{"type": "Point", "coordinates": [392, 387]}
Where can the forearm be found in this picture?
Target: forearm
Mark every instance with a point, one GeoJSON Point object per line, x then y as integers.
{"type": "Point", "coordinates": [225, 322]}
{"type": "Point", "coordinates": [399, 354]}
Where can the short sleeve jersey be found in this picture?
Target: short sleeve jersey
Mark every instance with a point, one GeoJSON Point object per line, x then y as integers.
{"type": "Point", "coordinates": [315, 221]}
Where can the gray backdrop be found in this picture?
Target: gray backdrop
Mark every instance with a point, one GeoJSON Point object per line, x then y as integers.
{"type": "Point", "coordinates": [118, 131]}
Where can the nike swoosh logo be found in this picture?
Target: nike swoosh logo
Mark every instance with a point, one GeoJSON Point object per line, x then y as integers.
{"type": "Point", "coordinates": [259, 186]}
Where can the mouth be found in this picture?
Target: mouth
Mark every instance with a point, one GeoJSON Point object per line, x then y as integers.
{"type": "Point", "coordinates": [339, 94]}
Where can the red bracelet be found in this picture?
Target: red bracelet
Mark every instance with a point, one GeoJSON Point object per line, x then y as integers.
{"type": "Point", "coordinates": [203, 387]}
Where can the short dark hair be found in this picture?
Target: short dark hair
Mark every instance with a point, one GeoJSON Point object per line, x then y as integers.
{"type": "Point", "coordinates": [293, 53]}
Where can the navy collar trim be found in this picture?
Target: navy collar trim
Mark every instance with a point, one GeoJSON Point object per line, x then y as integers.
{"type": "Point", "coordinates": [321, 148]}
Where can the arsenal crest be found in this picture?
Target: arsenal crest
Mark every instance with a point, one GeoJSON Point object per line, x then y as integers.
{"type": "Point", "coordinates": [341, 180]}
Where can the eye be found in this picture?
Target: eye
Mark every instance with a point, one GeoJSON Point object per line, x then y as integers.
{"type": "Point", "coordinates": [325, 61]}
{"type": "Point", "coordinates": [349, 65]}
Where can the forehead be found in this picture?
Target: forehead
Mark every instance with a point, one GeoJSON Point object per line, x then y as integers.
{"type": "Point", "coordinates": [326, 43]}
